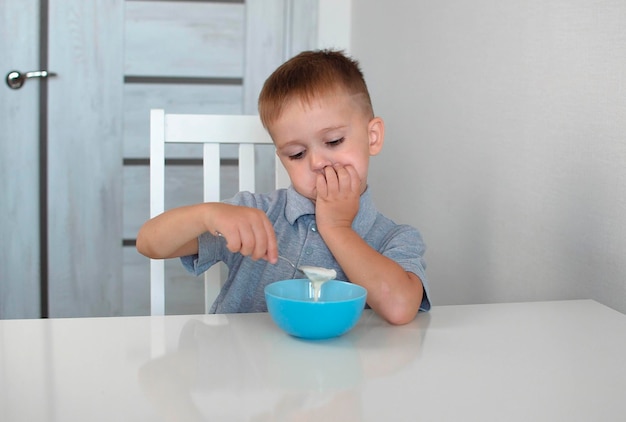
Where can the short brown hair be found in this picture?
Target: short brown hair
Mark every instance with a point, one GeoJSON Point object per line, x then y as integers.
{"type": "Point", "coordinates": [310, 75]}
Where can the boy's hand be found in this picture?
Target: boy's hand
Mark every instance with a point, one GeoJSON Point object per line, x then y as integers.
{"type": "Point", "coordinates": [246, 230]}
{"type": "Point", "coordinates": [338, 192]}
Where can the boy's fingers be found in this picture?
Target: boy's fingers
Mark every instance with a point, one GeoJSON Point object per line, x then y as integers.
{"type": "Point", "coordinates": [248, 241]}
{"type": "Point", "coordinates": [321, 186]}
{"type": "Point", "coordinates": [253, 236]}
{"type": "Point", "coordinates": [262, 240]}
{"type": "Point", "coordinates": [332, 180]}
{"type": "Point", "coordinates": [355, 180]}
{"type": "Point", "coordinates": [343, 178]}
{"type": "Point", "coordinates": [272, 245]}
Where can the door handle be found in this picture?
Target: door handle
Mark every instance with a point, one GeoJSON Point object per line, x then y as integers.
{"type": "Point", "coordinates": [16, 79]}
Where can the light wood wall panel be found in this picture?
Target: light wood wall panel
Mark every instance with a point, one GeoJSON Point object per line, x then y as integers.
{"type": "Point", "coordinates": [181, 39]}
{"type": "Point", "coordinates": [84, 165]}
{"type": "Point", "coordinates": [19, 172]}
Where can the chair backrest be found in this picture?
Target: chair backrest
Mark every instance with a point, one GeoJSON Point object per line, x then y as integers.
{"type": "Point", "coordinates": [211, 131]}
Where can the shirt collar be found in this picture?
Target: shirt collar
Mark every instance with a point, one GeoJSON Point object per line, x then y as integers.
{"type": "Point", "coordinates": [298, 205]}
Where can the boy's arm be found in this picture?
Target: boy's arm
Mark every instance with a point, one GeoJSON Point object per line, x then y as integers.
{"type": "Point", "coordinates": [393, 293]}
{"type": "Point", "coordinates": [175, 232]}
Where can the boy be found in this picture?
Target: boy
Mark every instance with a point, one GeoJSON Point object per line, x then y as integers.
{"type": "Point", "coordinates": [317, 109]}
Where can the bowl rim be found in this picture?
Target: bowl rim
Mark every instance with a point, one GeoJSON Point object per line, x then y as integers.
{"type": "Point", "coordinates": [362, 295]}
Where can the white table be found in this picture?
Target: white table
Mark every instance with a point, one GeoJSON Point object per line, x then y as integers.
{"type": "Point", "coordinates": [549, 361]}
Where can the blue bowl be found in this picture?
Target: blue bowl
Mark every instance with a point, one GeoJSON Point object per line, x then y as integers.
{"type": "Point", "coordinates": [291, 306]}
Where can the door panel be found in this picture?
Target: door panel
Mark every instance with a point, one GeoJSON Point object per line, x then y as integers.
{"type": "Point", "coordinates": [19, 166]}
{"type": "Point", "coordinates": [85, 157]}
{"type": "Point", "coordinates": [193, 39]}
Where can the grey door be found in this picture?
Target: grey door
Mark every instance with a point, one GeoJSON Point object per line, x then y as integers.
{"type": "Point", "coordinates": [19, 178]}
{"type": "Point", "coordinates": [73, 148]}
{"type": "Point", "coordinates": [61, 159]}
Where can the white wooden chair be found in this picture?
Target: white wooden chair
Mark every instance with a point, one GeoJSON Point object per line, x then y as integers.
{"type": "Point", "coordinates": [211, 131]}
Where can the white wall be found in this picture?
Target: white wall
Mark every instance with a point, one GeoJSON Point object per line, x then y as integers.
{"type": "Point", "coordinates": [506, 131]}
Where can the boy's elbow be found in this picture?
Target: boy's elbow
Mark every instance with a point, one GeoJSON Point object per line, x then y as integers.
{"type": "Point", "coordinates": [143, 247]}
{"type": "Point", "coordinates": [401, 316]}
{"type": "Point", "coordinates": [405, 309]}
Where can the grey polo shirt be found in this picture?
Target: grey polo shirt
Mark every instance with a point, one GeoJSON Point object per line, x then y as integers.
{"type": "Point", "coordinates": [293, 217]}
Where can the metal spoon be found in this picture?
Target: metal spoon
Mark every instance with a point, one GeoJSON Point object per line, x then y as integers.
{"type": "Point", "coordinates": [291, 263]}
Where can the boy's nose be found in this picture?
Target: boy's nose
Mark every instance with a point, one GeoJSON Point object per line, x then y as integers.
{"type": "Point", "coordinates": [319, 160]}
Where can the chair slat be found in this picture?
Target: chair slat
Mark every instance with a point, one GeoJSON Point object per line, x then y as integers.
{"type": "Point", "coordinates": [157, 204]}
{"type": "Point", "coordinates": [225, 129]}
{"type": "Point", "coordinates": [211, 172]}
{"type": "Point", "coordinates": [246, 168]}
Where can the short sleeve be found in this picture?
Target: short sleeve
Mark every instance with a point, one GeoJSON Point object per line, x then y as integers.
{"type": "Point", "coordinates": [209, 253]}
{"type": "Point", "coordinates": [405, 246]}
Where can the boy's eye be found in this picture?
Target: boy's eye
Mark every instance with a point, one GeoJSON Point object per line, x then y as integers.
{"type": "Point", "coordinates": [335, 142]}
{"type": "Point", "coordinates": [301, 154]}
{"type": "Point", "coordinates": [297, 156]}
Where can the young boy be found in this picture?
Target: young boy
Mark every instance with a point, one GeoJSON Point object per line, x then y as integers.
{"type": "Point", "coordinates": [317, 109]}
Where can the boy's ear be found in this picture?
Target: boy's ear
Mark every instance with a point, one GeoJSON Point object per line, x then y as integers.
{"type": "Point", "coordinates": [376, 134]}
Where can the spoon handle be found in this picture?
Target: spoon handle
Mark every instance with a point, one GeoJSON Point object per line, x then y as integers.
{"type": "Point", "coordinates": [290, 263]}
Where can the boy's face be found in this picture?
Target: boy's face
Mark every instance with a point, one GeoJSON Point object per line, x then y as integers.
{"type": "Point", "coordinates": [332, 129]}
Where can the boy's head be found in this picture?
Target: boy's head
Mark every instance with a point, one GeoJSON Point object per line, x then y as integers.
{"type": "Point", "coordinates": [317, 109]}
{"type": "Point", "coordinates": [311, 75]}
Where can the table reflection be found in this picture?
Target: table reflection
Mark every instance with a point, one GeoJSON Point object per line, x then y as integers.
{"type": "Point", "coordinates": [243, 367]}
